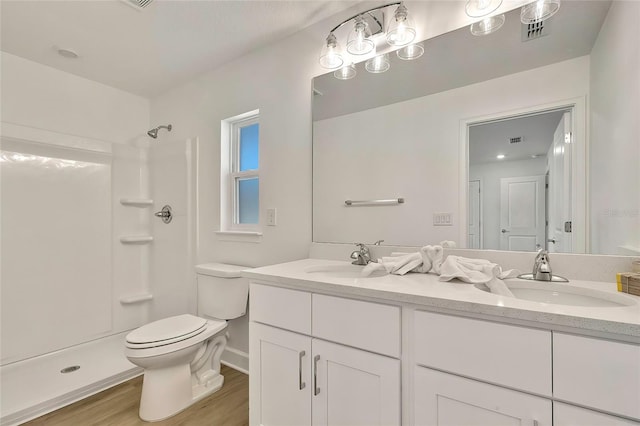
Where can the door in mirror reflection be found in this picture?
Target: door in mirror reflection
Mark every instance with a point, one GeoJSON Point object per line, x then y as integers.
{"type": "Point", "coordinates": [520, 182]}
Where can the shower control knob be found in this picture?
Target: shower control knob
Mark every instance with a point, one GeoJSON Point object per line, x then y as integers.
{"type": "Point", "coordinates": [165, 214]}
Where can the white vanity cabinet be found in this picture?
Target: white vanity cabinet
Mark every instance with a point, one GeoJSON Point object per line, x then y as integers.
{"type": "Point", "coordinates": [476, 372]}
{"type": "Point", "coordinates": [448, 347]}
{"type": "Point", "coordinates": [443, 399]}
{"type": "Point", "coordinates": [298, 378]}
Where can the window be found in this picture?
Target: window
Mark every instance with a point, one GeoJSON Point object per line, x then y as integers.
{"type": "Point", "coordinates": [240, 181]}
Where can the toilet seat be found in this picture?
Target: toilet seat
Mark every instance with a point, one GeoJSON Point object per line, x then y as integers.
{"type": "Point", "coordinates": [161, 344]}
{"type": "Point", "coordinates": [166, 331]}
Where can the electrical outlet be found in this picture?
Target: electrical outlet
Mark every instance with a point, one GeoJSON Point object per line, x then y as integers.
{"type": "Point", "coordinates": [442, 219]}
{"type": "Point", "coordinates": [271, 217]}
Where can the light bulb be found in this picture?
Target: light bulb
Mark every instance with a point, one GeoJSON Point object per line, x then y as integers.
{"type": "Point", "coordinates": [401, 30]}
{"type": "Point", "coordinates": [359, 42]}
{"type": "Point", "coordinates": [331, 55]}
{"type": "Point", "coordinates": [378, 64]}
{"type": "Point", "coordinates": [345, 73]}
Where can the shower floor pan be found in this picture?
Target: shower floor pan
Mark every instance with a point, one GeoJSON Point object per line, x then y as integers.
{"type": "Point", "coordinates": [36, 386]}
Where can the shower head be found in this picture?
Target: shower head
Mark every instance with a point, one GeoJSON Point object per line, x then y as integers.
{"type": "Point", "coordinates": [154, 132]}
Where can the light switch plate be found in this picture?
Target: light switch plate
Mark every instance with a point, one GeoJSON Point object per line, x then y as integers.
{"type": "Point", "coordinates": [442, 219]}
{"type": "Point", "coordinates": [271, 217]}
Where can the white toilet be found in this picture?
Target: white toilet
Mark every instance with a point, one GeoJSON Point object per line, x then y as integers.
{"type": "Point", "coordinates": [181, 354]}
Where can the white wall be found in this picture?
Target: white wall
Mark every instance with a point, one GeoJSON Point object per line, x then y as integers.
{"type": "Point", "coordinates": [417, 142]}
{"type": "Point", "coordinates": [490, 174]}
{"type": "Point", "coordinates": [615, 132]}
{"type": "Point", "coordinates": [42, 97]}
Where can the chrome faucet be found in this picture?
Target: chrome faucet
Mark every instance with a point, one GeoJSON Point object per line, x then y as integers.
{"type": "Point", "coordinates": [362, 256]}
{"type": "Point", "coordinates": [542, 269]}
{"type": "Point", "coordinates": [542, 266]}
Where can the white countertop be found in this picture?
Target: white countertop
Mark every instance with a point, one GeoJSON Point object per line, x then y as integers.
{"type": "Point", "coordinates": [426, 290]}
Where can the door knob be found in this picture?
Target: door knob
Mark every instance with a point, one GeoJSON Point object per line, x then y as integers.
{"type": "Point", "coordinates": [551, 240]}
{"type": "Point", "coordinates": [504, 231]}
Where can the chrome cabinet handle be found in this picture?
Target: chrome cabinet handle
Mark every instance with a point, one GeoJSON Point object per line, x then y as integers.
{"type": "Point", "coordinates": [504, 231]}
{"type": "Point", "coordinates": [316, 389]}
{"type": "Point", "coordinates": [302, 384]}
{"type": "Point", "coordinates": [552, 240]}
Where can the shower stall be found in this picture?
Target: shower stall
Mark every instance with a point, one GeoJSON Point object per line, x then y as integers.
{"type": "Point", "coordinates": [84, 260]}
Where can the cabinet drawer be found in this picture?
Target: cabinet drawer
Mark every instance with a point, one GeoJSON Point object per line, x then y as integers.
{"type": "Point", "coordinates": [280, 307]}
{"type": "Point", "coordinates": [446, 399]}
{"type": "Point", "coordinates": [503, 354]}
{"type": "Point", "coordinates": [569, 415]}
{"type": "Point", "coordinates": [597, 373]}
{"type": "Point", "coordinates": [370, 326]}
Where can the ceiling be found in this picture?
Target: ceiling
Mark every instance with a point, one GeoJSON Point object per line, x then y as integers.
{"type": "Point", "coordinates": [147, 51]}
{"type": "Point", "coordinates": [490, 139]}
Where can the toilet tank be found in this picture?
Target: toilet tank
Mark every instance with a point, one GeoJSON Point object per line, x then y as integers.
{"type": "Point", "coordinates": [222, 292]}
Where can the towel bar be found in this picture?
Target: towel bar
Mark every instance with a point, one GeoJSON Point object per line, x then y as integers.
{"type": "Point", "coordinates": [393, 201]}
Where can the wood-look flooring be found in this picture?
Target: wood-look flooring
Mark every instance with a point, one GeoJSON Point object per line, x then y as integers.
{"type": "Point", "coordinates": [118, 406]}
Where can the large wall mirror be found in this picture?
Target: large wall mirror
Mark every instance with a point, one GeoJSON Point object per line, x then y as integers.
{"type": "Point", "coordinates": [508, 141]}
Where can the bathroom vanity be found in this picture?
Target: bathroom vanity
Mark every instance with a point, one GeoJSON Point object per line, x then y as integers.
{"type": "Point", "coordinates": [329, 347]}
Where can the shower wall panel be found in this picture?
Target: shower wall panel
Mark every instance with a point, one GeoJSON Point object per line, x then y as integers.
{"type": "Point", "coordinates": [56, 247]}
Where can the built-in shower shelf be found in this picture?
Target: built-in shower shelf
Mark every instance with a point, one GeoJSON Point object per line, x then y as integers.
{"type": "Point", "coordinates": [136, 202]}
{"type": "Point", "coordinates": [136, 239]}
{"type": "Point", "coordinates": [136, 298]}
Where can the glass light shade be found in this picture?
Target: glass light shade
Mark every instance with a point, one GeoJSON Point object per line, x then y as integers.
{"type": "Point", "coordinates": [359, 41]}
{"type": "Point", "coordinates": [331, 56]}
{"type": "Point", "coordinates": [378, 64]}
{"type": "Point", "coordinates": [487, 25]}
{"type": "Point", "coordinates": [539, 11]}
{"type": "Point", "coordinates": [411, 52]}
{"type": "Point", "coordinates": [345, 73]}
{"type": "Point", "coordinates": [401, 31]}
{"type": "Point", "coordinates": [480, 8]}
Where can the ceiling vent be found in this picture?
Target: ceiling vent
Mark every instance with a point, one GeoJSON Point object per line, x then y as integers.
{"type": "Point", "coordinates": [516, 139]}
{"type": "Point", "coordinates": [535, 30]}
{"type": "Point", "coordinates": [137, 4]}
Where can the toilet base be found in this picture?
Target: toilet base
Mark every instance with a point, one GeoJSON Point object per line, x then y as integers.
{"type": "Point", "coordinates": [168, 391]}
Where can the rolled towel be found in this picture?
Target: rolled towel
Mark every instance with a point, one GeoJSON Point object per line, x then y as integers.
{"type": "Point", "coordinates": [477, 271]}
{"type": "Point", "coordinates": [428, 259]}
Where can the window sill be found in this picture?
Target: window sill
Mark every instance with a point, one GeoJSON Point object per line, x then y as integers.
{"type": "Point", "coordinates": [240, 236]}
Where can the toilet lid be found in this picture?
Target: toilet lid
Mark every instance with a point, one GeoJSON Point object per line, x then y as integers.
{"type": "Point", "coordinates": [167, 329]}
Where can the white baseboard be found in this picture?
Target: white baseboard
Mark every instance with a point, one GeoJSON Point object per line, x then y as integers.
{"type": "Point", "coordinates": [236, 359]}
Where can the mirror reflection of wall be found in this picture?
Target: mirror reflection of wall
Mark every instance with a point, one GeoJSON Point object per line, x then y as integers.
{"type": "Point", "coordinates": [399, 134]}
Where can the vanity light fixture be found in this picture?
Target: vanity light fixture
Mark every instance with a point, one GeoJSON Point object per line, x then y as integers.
{"type": "Point", "coordinates": [482, 9]}
{"type": "Point", "coordinates": [378, 64]}
{"type": "Point", "coordinates": [500, 156]}
{"type": "Point", "coordinates": [359, 42]}
{"type": "Point", "coordinates": [538, 11]}
{"type": "Point", "coordinates": [347, 72]}
{"type": "Point", "coordinates": [331, 55]}
{"type": "Point", "coordinates": [366, 26]}
{"type": "Point", "coordinates": [487, 26]}
{"type": "Point", "coordinates": [401, 31]}
{"type": "Point", "coordinates": [411, 52]}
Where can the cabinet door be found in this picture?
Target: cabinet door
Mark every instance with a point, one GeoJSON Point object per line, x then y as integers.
{"type": "Point", "coordinates": [354, 387]}
{"type": "Point", "coordinates": [569, 415]}
{"type": "Point", "coordinates": [446, 400]}
{"type": "Point", "coordinates": [280, 379]}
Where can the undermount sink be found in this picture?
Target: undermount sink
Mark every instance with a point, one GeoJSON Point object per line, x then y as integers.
{"type": "Point", "coordinates": [565, 294]}
{"type": "Point", "coordinates": [342, 271]}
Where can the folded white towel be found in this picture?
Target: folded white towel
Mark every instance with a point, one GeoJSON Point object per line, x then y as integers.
{"type": "Point", "coordinates": [429, 258]}
{"type": "Point", "coordinates": [477, 271]}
